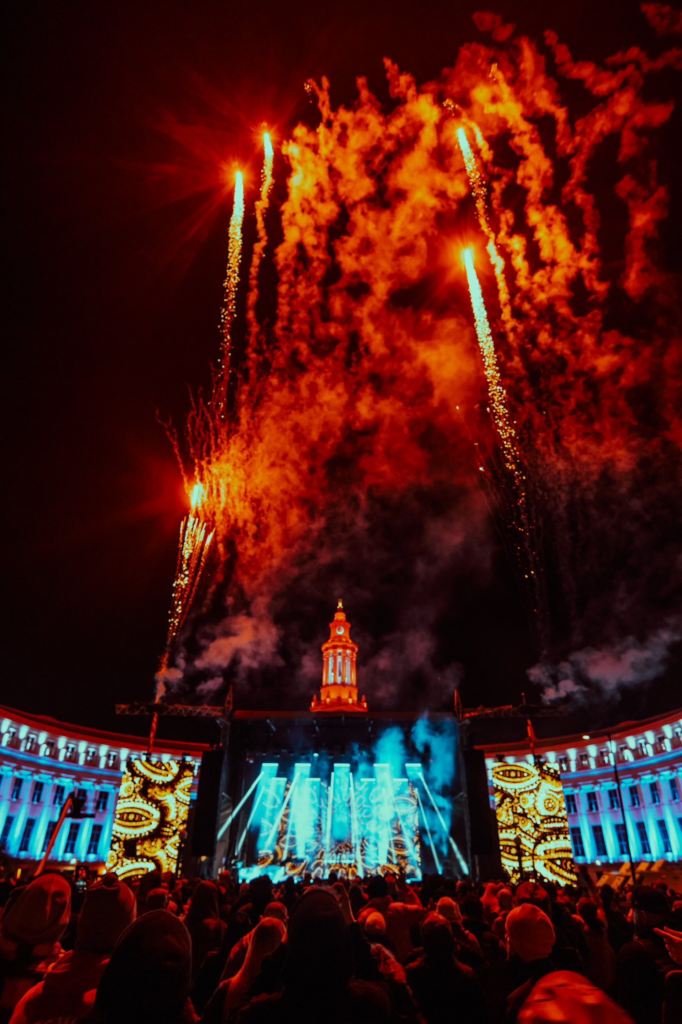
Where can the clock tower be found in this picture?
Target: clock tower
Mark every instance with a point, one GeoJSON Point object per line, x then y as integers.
{"type": "Point", "coordinates": [339, 691]}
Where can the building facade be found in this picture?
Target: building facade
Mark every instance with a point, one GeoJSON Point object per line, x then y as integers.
{"type": "Point", "coordinates": [623, 790]}
{"type": "Point", "coordinates": [42, 761]}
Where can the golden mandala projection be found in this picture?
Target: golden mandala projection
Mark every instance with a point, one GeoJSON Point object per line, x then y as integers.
{"type": "Point", "coordinates": [151, 813]}
{"type": "Point", "coordinates": [532, 824]}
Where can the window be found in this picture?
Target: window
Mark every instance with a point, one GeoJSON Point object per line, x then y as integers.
{"type": "Point", "coordinates": [70, 846]}
{"type": "Point", "coordinates": [599, 841]}
{"type": "Point", "coordinates": [48, 748]}
{"type": "Point", "coordinates": [577, 840]}
{"type": "Point", "coordinates": [70, 752]}
{"type": "Point", "coordinates": [614, 799]}
{"type": "Point", "coordinates": [584, 760]}
{"type": "Point", "coordinates": [26, 837]}
{"type": "Point", "coordinates": [643, 839]}
{"type": "Point", "coordinates": [16, 789]}
{"type": "Point", "coordinates": [112, 759]}
{"type": "Point", "coordinates": [31, 744]}
{"type": "Point", "coordinates": [622, 837]}
{"type": "Point", "coordinates": [674, 790]}
{"type": "Point", "coordinates": [605, 757]}
{"type": "Point", "coordinates": [662, 744]}
{"type": "Point", "coordinates": [625, 752]}
{"type": "Point", "coordinates": [102, 800]}
{"type": "Point", "coordinates": [37, 792]}
{"type": "Point", "coordinates": [634, 797]}
{"type": "Point", "coordinates": [6, 829]}
{"type": "Point", "coordinates": [563, 764]}
{"type": "Point", "coordinates": [51, 826]}
{"type": "Point", "coordinates": [90, 755]}
{"type": "Point", "coordinates": [665, 836]}
{"type": "Point", "coordinates": [58, 798]}
{"type": "Point", "coordinates": [95, 836]}
{"type": "Point", "coordinates": [571, 805]}
{"type": "Point", "coordinates": [655, 793]}
{"type": "Point", "coordinates": [592, 801]}
{"type": "Point", "coordinates": [11, 735]}
{"type": "Point", "coordinates": [642, 748]}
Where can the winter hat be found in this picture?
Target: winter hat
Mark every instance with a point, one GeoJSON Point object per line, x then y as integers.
{"type": "Point", "coordinates": [448, 909]}
{"type": "Point", "coordinates": [650, 899]}
{"type": "Point", "coordinates": [375, 926]}
{"type": "Point", "coordinates": [148, 977]}
{"type": "Point", "coordinates": [157, 899]}
{"type": "Point", "coordinates": [40, 914]}
{"type": "Point", "coordinates": [564, 997]}
{"type": "Point", "coordinates": [437, 938]}
{"type": "Point", "coordinates": [277, 910]}
{"type": "Point", "coordinates": [505, 898]}
{"type": "Point", "coordinates": [531, 892]}
{"type": "Point", "coordinates": [489, 899]}
{"type": "Point", "coordinates": [530, 932]}
{"type": "Point", "coordinates": [108, 909]}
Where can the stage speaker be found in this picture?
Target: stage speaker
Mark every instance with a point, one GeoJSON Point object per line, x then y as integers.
{"type": "Point", "coordinates": [482, 823]}
{"type": "Point", "coordinates": [205, 823]}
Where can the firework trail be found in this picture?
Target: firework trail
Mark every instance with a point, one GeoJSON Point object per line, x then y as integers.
{"type": "Point", "coordinates": [479, 192]}
{"type": "Point", "coordinates": [193, 547]}
{"type": "Point", "coordinates": [525, 547]}
{"type": "Point", "coordinates": [261, 244]}
{"type": "Point", "coordinates": [234, 256]}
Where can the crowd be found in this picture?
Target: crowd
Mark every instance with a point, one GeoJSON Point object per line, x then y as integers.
{"type": "Point", "coordinates": [154, 950]}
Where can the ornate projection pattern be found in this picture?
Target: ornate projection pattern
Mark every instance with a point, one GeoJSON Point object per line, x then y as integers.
{"type": "Point", "coordinates": [151, 814]}
{"type": "Point", "coordinates": [357, 825]}
{"type": "Point", "coordinates": [531, 822]}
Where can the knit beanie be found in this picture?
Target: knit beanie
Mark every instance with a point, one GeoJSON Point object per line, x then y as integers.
{"type": "Point", "coordinates": [448, 909]}
{"type": "Point", "coordinates": [564, 997]}
{"type": "Point", "coordinates": [530, 932]}
{"type": "Point", "coordinates": [40, 914]}
{"type": "Point", "coordinates": [108, 909]}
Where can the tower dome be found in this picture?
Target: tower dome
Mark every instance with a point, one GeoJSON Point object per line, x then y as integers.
{"type": "Point", "coordinates": [339, 692]}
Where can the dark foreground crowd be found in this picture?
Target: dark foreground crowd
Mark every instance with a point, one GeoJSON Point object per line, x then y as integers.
{"type": "Point", "coordinates": [157, 951]}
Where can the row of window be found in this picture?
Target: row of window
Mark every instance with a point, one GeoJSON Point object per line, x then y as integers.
{"type": "Point", "coordinates": [59, 795]}
{"type": "Point", "coordinates": [661, 745]}
{"type": "Point", "coordinates": [572, 805]}
{"type": "Point", "coordinates": [49, 748]}
{"type": "Point", "coordinates": [71, 838]}
{"type": "Point", "coordinates": [621, 839]}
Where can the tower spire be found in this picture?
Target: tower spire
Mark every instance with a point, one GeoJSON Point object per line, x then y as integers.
{"type": "Point", "coordinates": [339, 691]}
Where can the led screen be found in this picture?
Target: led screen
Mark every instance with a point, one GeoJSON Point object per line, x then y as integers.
{"type": "Point", "coordinates": [360, 811]}
{"type": "Point", "coordinates": [150, 816]}
{"type": "Point", "coordinates": [531, 822]}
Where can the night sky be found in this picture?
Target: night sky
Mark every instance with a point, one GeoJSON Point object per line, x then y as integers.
{"type": "Point", "coordinates": [121, 120]}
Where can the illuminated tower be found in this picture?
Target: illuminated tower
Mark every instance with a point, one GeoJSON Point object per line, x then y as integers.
{"type": "Point", "coordinates": [339, 671]}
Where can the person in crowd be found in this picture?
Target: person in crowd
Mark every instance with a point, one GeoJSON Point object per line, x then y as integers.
{"type": "Point", "coordinates": [473, 921]}
{"type": "Point", "coordinates": [265, 939]}
{"type": "Point", "coordinates": [157, 899]}
{"type": "Point", "coordinates": [213, 968]}
{"type": "Point", "coordinates": [204, 924]}
{"type": "Point", "coordinates": [400, 914]}
{"type": "Point", "coordinates": [530, 940]}
{"type": "Point", "coordinates": [467, 948]}
{"type": "Point", "coordinates": [442, 986]}
{"type": "Point", "coordinates": [238, 953]}
{"type": "Point", "coordinates": [148, 978]}
{"type": "Point", "coordinates": [563, 997]}
{"type": "Point", "coordinates": [318, 978]}
{"type": "Point", "coordinates": [33, 922]}
{"type": "Point", "coordinates": [601, 961]}
{"type": "Point", "coordinates": [644, 963]}
{"type": "Point", "coordinates": [619, 929]}
{"type": "Point", "coordinates": [68, 989]}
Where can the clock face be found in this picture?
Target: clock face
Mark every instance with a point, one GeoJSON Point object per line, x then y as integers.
{"type": "Point", "coordinates": [339, 630]}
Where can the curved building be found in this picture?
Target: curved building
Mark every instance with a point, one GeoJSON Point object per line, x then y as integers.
{"type": "Point", "coordinates": [42, 761]}
{"type": "Point", "coordinates": [623, 789]}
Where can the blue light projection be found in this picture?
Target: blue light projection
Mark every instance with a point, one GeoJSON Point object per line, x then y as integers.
{"type": "Point", "coordinates": [359, 815]}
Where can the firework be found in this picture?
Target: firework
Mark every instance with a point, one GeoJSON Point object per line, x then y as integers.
{"type": "Point", "coordinates": [193, 547]}
{"type": "Point", "coordinates": [261, 244]}
{"type": "Point", "coordinates": [234, 256]}
{"type": "Point", "coordinates": [479, 192]}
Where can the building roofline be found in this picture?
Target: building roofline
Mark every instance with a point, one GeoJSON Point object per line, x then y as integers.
{"type": "Point", "coordinates": [576, 739]}
{"type": "Point", "coordinates": [79, 732]}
